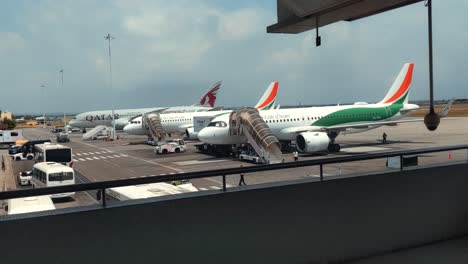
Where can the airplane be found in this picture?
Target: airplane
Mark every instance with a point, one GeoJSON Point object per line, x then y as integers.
{"type": "Point", "coordinates": [183, 122]}
{"type": "Point", "coordinates": [20, 120]}
{"type": "Point", "coordinates": [122, 116]}
{"type": "Point", "coordinates": [314, 129]}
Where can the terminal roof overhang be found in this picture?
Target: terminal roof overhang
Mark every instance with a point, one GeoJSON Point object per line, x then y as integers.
{"type": "Point", "coordinates": [296, 16]}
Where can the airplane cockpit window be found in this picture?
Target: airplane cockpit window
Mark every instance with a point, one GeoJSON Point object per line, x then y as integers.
{"type": "Point", "coordinates": [217, 124]}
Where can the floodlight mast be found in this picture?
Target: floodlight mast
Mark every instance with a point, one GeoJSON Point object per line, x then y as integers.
{"type": "Point", "coordinates": [64, 117]}
{"type": "Point", "coordinates": [108, 37]}
{"type": "Point", "coordinates": [44, 98]}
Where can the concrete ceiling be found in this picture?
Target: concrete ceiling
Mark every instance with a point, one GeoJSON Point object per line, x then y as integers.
{"type": "Point", "coordinates": [296, 16]}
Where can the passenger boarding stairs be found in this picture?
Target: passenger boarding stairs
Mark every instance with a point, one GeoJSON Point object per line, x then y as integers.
{"type": "Point", "coordinates": [248, 122]}
{"type": "Point", "coordinates": [94, 132]}
{"type": "Point", "coordinates": [152, 121]}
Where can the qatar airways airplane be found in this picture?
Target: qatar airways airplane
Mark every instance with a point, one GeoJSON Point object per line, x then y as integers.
{"type": "Point", "coordinates": [122, 116]}
{"type": "Point", "coordinates": [314, 129]}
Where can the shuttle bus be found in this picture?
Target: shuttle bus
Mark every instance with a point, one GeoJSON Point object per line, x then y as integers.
{"type": "Point", "coordinates": [49, 152]}
{"type": "Point", "coordinates": [49, 174]}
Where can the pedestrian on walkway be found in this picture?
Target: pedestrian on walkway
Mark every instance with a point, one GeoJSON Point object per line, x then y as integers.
{"type": "Point", "coordinates": [296, 155]}
{"type": "Point", "coordinates": [384, 138]}
{"type": "Point", "coordinates": [242, 180]}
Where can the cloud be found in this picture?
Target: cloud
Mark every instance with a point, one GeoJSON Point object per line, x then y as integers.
{"type": "Point", "coordinates": [10, 42]}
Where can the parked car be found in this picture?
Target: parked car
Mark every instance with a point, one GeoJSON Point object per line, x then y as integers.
{"type": "Point", "coordinates": [170, 147]}
{"type": "Point", "coordinates": [63, 137]}
{"type": "Point", "coordinates": [24, 178]}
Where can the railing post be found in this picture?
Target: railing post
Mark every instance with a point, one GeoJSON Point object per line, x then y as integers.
{"type": "Point", "coordinates": [103, 197]}
{"type": "Point", "coordinates": [401, 162]}
{"type": "Point", "coordinates": [224, 182]}
{"type": "Point", "coordinates": [321, 172]}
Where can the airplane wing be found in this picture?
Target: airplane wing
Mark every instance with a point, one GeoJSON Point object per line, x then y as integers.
{"type": "Point", "coordinates": [162, 109]}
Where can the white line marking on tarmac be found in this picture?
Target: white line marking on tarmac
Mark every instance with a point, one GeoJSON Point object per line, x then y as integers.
{"type": "Point", "coordinates": [110, 157]}
{"type": "Point", "coordinates": [96, 158]}
{"type": "Point", "coordinates": [202, 189]}
{"type": "Point", "coordinates": [75, 160]}
{"type": "Point", "coordinates": [193, 162]}
{"type": "Point", "coordinates": [89, 158]}
{"type": "Point", "coordinates": [117, 156]}
{"type": "Point", "coordinates": [144, 160]}
{"type": "Point", "coordinates": [82, 159]}
{"type": "Point", "coordinates": [78, 154]}
{"type": "Point", "coordinates": [103, 157]}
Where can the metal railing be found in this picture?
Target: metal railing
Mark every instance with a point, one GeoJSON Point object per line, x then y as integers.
{"type": "Point", "coordinates": [103, 185]}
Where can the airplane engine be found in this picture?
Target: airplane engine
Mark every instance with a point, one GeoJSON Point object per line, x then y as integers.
{"type": "Point", "coordinates": [310, 142]}
{"type": "Point", "coordinates": [191, 134]}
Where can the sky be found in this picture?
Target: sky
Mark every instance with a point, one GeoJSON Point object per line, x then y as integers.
{"type": "Point", "coordinates": [168, 53]}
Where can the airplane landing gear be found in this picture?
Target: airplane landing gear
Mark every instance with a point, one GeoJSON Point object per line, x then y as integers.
{"type": "Point", "coordinates": [333, 147]}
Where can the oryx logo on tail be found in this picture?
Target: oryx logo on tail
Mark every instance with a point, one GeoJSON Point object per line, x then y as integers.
{"type": "Point", "coordinates": [399, 91]}
{"type": "Point", "coordinates": [209, 98]}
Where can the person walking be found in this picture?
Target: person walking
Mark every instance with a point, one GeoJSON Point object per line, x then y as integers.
{"type": "Point", "coordinates": [242, 180]}
{"type": "Point", "coordinates": [384, 138]}
{"type": "Point", "coordinates": [296, 155]}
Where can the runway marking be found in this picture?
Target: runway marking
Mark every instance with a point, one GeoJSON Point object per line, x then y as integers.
{"type": "Point", "coordinates": [202, 189]}
{"type": "Point", "coordinates": [363, 149]}
{"type": "Point", "coordinates": [89, 158]}
{"type": "Point", "coordinates": [193, 162]}
{"type": "Point", "coordinates": [91, 153]}
{"type": "Point", "coordinates": [82, 159]}
{"type": "Point", "coordinates": [103, 157]}
{"type": "Point", "coordinates": [140, 159]}
{"type": "Point", "coordinates": [78, 154]}
{"type": "Point", "coordinates": [117, 156]}
{"type": "Point", "coordinates": [96, 158]}
{"type": "Point", "coordinates": [74, 160]}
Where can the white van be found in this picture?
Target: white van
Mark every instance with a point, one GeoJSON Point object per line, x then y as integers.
{"type": "Point", "coordinates": [49, 174]}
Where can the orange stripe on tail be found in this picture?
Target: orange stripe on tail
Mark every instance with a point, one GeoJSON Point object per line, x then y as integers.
{"type": "Point", "coordinates": [271, 97]}
{"type": "Point", "coordinates": [404, 85]}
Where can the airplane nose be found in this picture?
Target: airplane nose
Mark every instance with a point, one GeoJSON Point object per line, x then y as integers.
{"type": "Point", "coordinates": [127, 128]}
{"type": "Point", "coordinates": [206, 135]}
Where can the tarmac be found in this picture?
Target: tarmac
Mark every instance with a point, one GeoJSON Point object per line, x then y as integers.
{"type": "Point", "coordinates": [99, 160]}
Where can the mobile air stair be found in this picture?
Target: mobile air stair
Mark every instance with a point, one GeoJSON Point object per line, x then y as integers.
{"type": "Point", "coordinates": [93, 133]}
{"type": "Point", "coordinates": [248, 122]}
{"type": "Point", "coordinates": [152, 121]}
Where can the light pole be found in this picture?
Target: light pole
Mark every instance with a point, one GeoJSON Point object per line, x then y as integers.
{"type": "Point", "coordinates": [64, 117]}
{"type": "Point", "coordinates": [108, 37]}
{"type": "Point", "coordinates": [44, 98]}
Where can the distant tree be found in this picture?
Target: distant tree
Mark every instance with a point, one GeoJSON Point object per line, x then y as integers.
{"type": "Point", "coordinates": [11, 124]}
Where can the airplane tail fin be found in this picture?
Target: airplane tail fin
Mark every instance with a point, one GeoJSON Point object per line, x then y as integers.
{"type": "Point", "coordinates": [209, 98]}
{"type": "Point", "coordinates": [399, 92]}
{"type": "Point", "coordinates": [447, 107]}
{"type": "Point", "coordinates": [267, 101]}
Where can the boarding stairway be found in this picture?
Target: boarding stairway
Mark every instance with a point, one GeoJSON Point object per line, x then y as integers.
{"type": "Point", "coordinates": [248, 122]}
{"type": "Point", "coordinates": [93, 132]}
{"type": "Point", "coordinates": [152, 121]}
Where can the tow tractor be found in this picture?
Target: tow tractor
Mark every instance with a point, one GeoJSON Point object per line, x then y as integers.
{"type": "Point", "coordinates": [250, 155]}
{"type": "Point", "coordinates": [176, 146]}
{"type": "Point", "coordinates": [22, 156]}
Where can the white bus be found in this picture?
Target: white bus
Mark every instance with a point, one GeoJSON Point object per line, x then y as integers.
{"type": "Point", "coordinates": [9, 137]}
{"type": "Point", "coordinates": [49, 174]}
{"type": "Point", "coordinates": [50, 152]}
